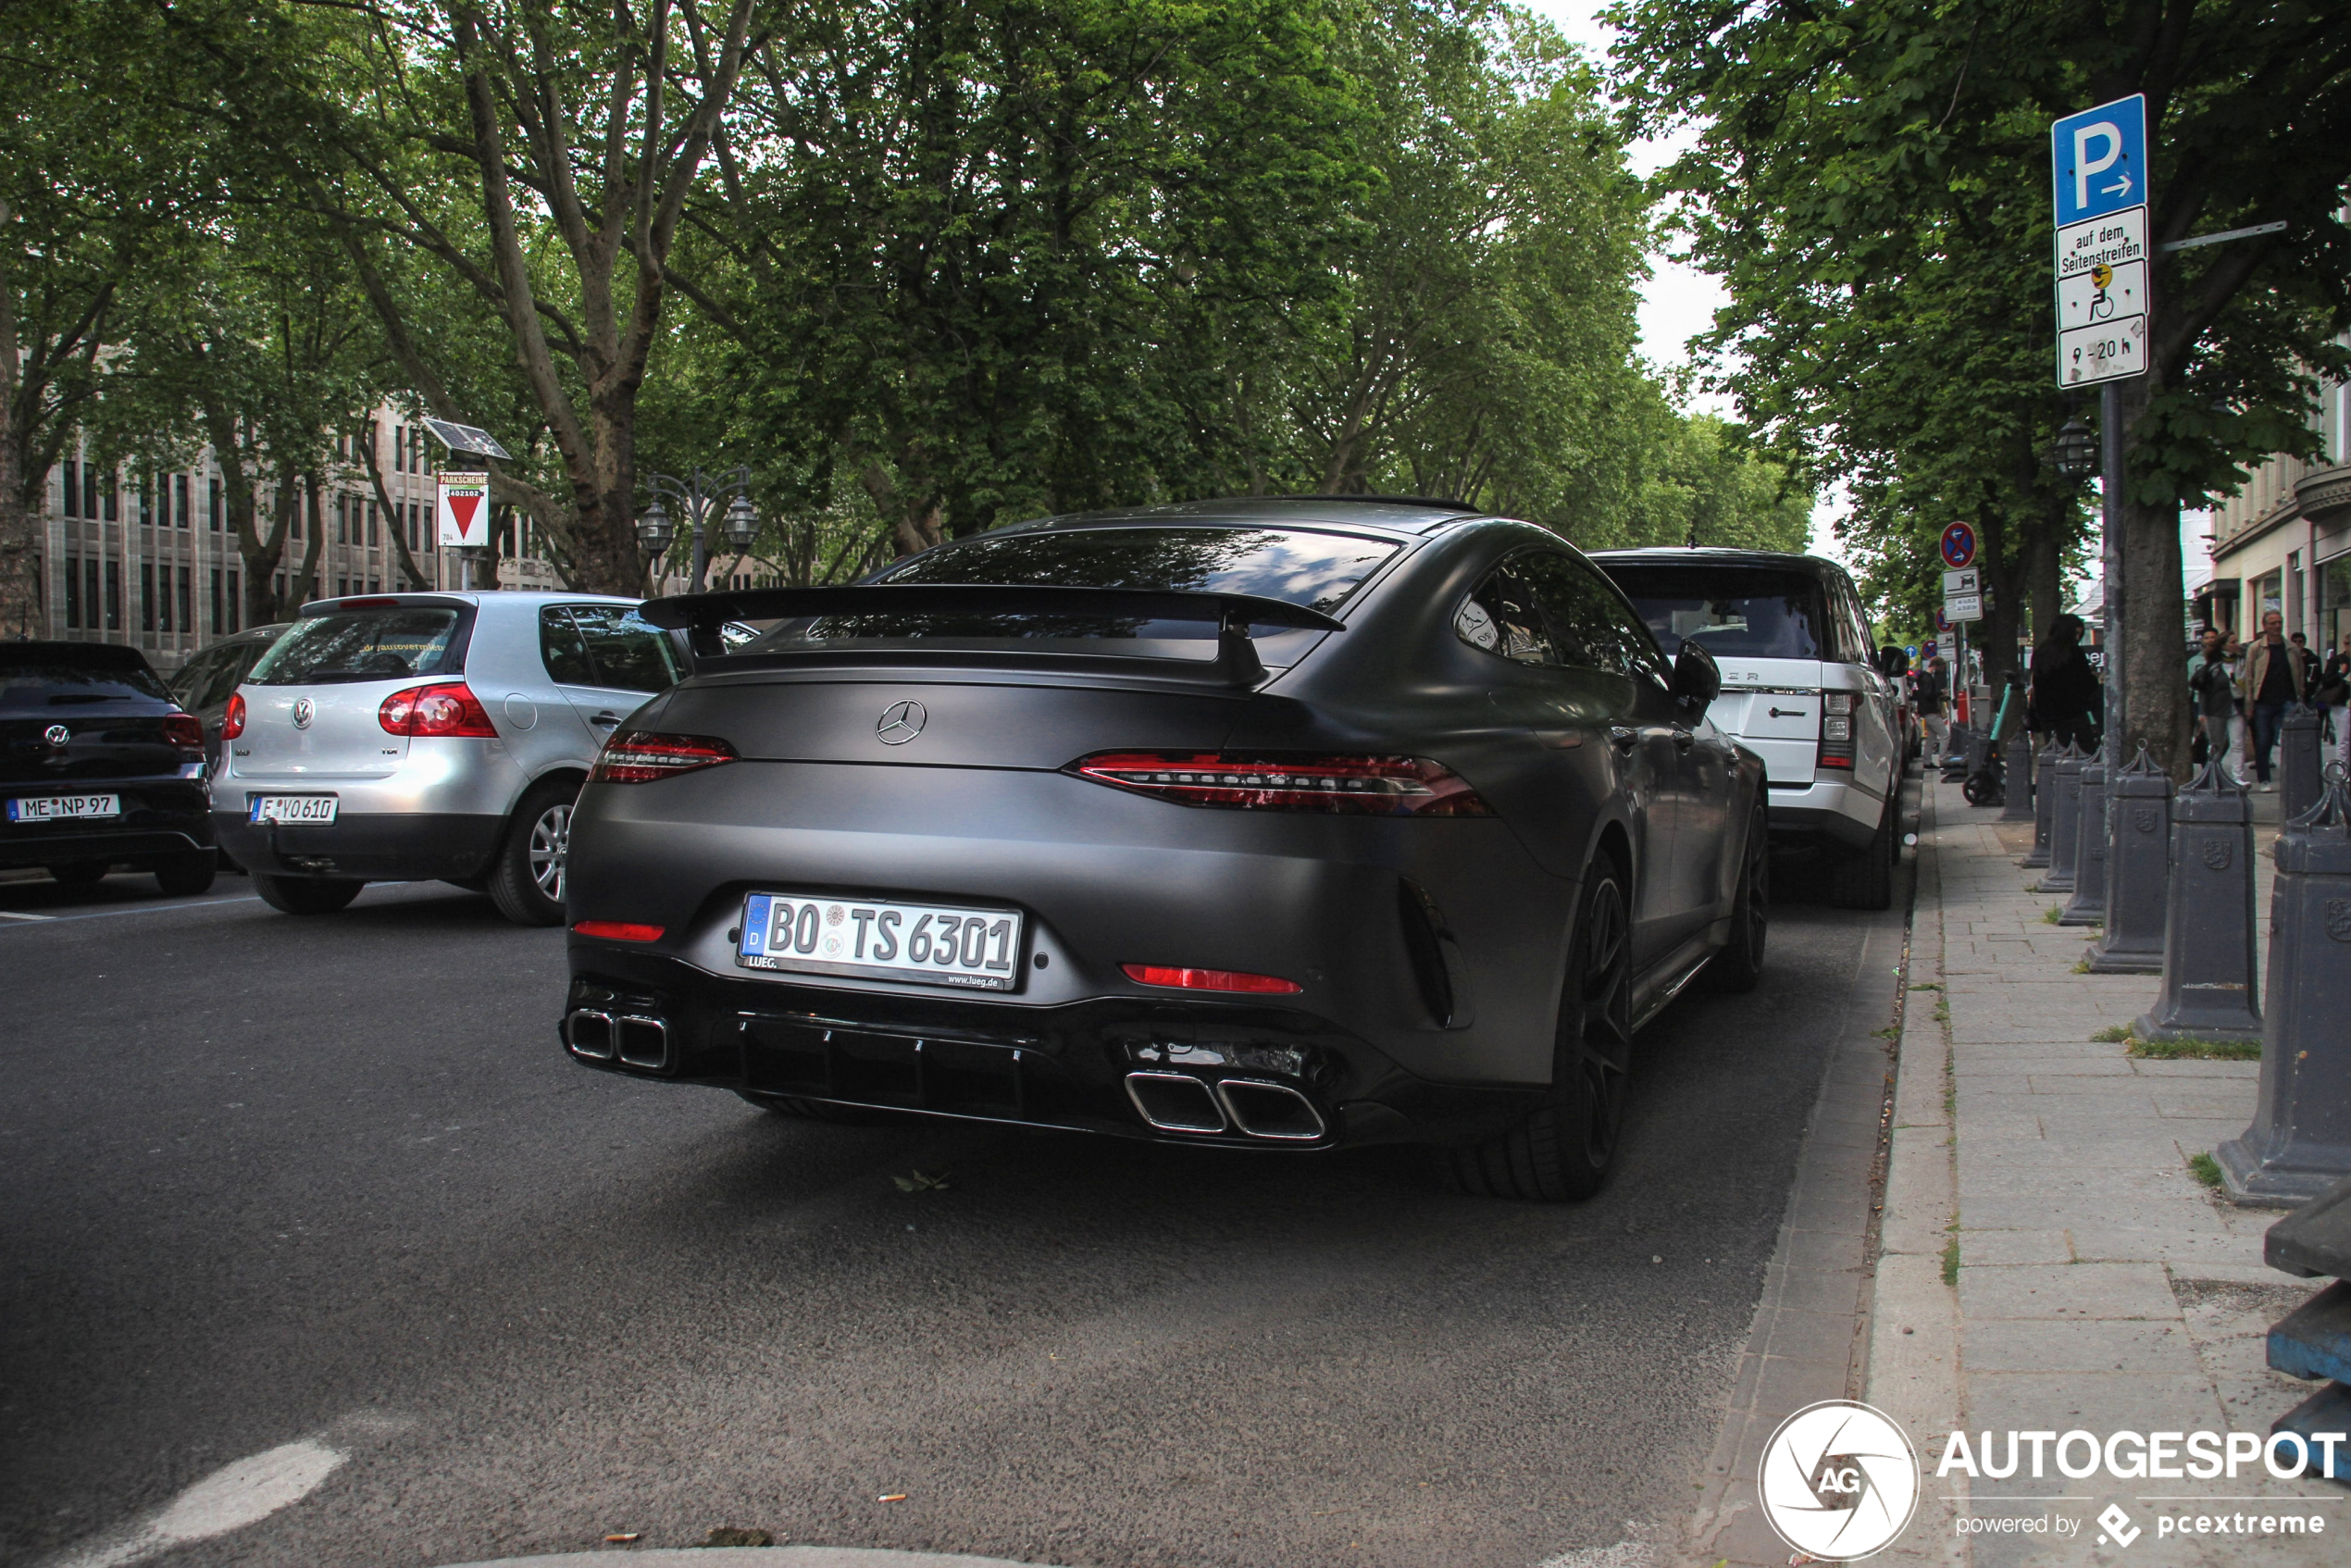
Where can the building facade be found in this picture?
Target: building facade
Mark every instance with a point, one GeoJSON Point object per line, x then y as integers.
{"type": "Point", "coordinates": [148, 559]}
{"type": "Point", "coordinates": [2284, 544]}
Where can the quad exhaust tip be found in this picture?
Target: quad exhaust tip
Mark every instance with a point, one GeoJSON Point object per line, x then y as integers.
{"type": "Point", "coordinates": [1181, 1102]}
{"type": "Point", "coordinates": [1174, 1102]}
{"type": "Point", "coordinates": [1270, 1110]}
{"type": "Point", "coordinates": [638, 1040]}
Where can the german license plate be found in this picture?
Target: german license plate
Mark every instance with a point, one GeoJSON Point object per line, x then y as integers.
{"type": "Point", "coordinates": [881, 939]}
{"type": "Point", "coordinates": [64, 808]}
{"type": "Point", "coordinates": [290, 808]}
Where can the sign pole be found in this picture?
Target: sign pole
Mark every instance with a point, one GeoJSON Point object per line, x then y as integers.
{"type": "Point", "coordinates": [2111, 519]}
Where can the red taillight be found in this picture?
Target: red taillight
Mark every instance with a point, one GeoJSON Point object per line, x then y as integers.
{"type": "Point", "coordinates": [232, 723]}
{"type": "Point", "coordinates": [1836, 730]}
{"type": "Point", "coordinates": [450, 710]}
{"type": "Point", "coordinates": [1345, 786]}
{"type": "Point", "coordinates": [185, 731]}
{"type": "Point", "coordinates": [637, 756]}
{"type": "Point", "coordinates": [619, 931]}
{"type": "Point", "coordinates": [1211, 980]}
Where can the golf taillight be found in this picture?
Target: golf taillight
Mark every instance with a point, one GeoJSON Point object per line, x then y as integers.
{"type": "Point", "coordinates": [639, 757]}
{"type": "Point", "coordinates": [185, 731]}
{"type": "Point", "coordinates": [1340, 786]}
{"type": "Point", "coordinates": [232, 723]}
{"type": "Point", "coordinates": [450, 709]}
{"type": "Point", "coordinates": [1211, 980]}
{"type": "Point", "coordinates": [1836, 730]}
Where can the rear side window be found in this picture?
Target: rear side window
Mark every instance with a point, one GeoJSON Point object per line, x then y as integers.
{"type": "Point", "coordinates": [1751, 612]}
{"type": "Point", "coordinates": [46, 676]}
{"type": "Point", "coordinates": [346, 645]}
{"type": "Point", "coordinates": [607, 645]}
{"type": "Point", "coordinates": [1541, 608]}
{"type": "Point", "coordinates": [191, 680]}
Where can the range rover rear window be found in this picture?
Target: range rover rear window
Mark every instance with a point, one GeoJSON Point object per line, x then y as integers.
{"type": "Point", "coordinates": [1737, 612]}
{"type": "Point", "coordinates": [392, 644]}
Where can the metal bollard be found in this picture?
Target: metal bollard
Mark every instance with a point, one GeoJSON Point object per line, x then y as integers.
{"type": "Point", "coordinates": [2299, 784]}
{"type": "Point", "coordinates": [2020, 780]}
{"type": "Point", "coordinates": [2087, 906]}
{"type": "Point", "coordinates": [2299, 1143]}
{"type": "Point", "coordinates": [2137, 868]}
{"type": "Point", "coordinates": [2065, 820]}
{"type": "Point", "coordinates": [2043, 805]}
{"type": "Point", "coordinates": [2207, 927]}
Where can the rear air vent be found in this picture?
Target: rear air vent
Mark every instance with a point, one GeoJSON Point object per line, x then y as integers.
{"type": "Point", "coordinates": [1415, 916]}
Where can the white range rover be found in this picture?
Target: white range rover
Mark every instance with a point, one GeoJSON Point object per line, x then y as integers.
{"type": "Point", "coordinates": [1800, 689]}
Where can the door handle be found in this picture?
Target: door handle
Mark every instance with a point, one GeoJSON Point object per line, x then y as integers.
{"type": "Point", "coordinates": [1622, 738]}
{"type": "Point", "coordinates": [606, 719]}
{"type": "Point", "coordinates": [1684, 738]}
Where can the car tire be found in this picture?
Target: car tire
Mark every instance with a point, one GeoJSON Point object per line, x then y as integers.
{"type": "Point", "coordinates": [813, 1109]}
{"type": "Point", "coordinates": [1864, 878]}
{"type": "Point", "coordinates": [78, 873]}
{"type": "Point", "coordinates": [1561, 1151]}
{"type": "Point", "coordinates": [187, 875]}
{"type": "Point", "coordinates": [527, 879]}
{"type": "Point", "coordinates": [305, 895]}
{"type": "Point", "coordinates": [1739, 966]}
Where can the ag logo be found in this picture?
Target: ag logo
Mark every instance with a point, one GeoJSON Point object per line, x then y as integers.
{"type": "Point", "coordinates": [1839, 1481]}
{"type": "Point", "coordinates": [2217, 855]}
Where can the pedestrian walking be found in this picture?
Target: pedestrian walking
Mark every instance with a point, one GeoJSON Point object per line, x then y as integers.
{"type": "Point", "coordinates": [2276, 673]}
{"type": "Point", "coordinates": [1932, 696]}
{"type": "Point", "coordinates": [2333, 697]}
{"type": "Point", "coordinates": [2064, 698]}
{"type": "Point", "coordinates": [2212, 687]}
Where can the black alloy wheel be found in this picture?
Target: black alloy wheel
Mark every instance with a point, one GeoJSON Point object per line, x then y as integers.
{"type": "Point", "coordinates": [184, 876]}
{"type": "Point", "coordinates": [1739, 966]}
{"type": "Point", "coordinates": [306, 895]}
{"type": "Point", "coordinates": [1563, 1150]}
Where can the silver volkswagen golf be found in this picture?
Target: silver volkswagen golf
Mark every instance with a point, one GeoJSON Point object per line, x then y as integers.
{"type": "Point", "coordinates": [415, 737]}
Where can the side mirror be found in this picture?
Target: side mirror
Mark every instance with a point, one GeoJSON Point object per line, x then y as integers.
{"type": "Point", "coordinates": [1697, 679]}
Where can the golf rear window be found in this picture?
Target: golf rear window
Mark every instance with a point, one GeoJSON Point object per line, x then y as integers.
{"type": "Point", "coordinates": [1295, 565]}
{"type": "Point", "coordinates": [1751, 612]}
{"type": "Point", "coordinates": [344, 645]}
{"type": "Point", "coordinates": [46, 676]}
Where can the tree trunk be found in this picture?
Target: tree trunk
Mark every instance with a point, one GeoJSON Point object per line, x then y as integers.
{"type": "Point", "coordinates": [19, 535]}
{"type": "Point", "coordinates": [2044, 568]}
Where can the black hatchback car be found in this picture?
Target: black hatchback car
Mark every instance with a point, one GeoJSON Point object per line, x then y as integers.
{"type": "Point", "coordinates": [102, 768]}
{"type": "Point", "coordinates": [1268, 822]}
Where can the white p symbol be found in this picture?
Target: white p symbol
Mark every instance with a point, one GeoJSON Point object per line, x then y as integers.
{"type": "Point", "coordinates": [2103, 131]}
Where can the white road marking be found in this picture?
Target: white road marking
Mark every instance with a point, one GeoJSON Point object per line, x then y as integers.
{"type": "Point", "coordinates": [135, 909]}
{"type": "Point", "coordinates": [229, 1499]}
{"type": "Point", "coordinates": [12, 914]}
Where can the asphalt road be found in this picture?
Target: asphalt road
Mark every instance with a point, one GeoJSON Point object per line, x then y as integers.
{"type": "Point", "coordinates": [273, 1180]}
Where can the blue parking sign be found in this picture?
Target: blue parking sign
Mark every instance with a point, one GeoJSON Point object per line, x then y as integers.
{"type": "Point", "coordinates": [2099, 160]}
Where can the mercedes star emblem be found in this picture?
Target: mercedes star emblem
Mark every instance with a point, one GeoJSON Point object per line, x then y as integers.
{"type": "Point", "coordinates": [303, 710]}
{"type": "Point", "coordinates": [900, 722]}
{"type": "Point", "coordinates": [56, 735]}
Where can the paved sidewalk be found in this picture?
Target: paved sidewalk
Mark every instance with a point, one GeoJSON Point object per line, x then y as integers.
{"type": "Point", "coordinates": [2099, 1286]}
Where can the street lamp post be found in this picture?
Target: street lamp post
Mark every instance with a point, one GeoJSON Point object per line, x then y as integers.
{"type": "Point", "coordinates": [698, 496]}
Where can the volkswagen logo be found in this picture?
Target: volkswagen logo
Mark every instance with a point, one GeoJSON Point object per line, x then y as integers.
{"type": "Point", "coordinates": [304, 710]}
{"type": "Point", "coordinates": [56, 735]}
{"type": "Point", "coordinates": [900, 722]}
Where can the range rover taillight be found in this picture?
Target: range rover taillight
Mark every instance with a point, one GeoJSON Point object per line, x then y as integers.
{"type": "Point", "coordinates": [1836, 730]}
{"type": "Point", "coordinates": [1339, 786]}
{"type": "Point", "coordinates": [640, 756]}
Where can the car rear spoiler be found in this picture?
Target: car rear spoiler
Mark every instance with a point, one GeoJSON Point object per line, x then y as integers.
{"type": "Point", "coordinates": [1236, 664]}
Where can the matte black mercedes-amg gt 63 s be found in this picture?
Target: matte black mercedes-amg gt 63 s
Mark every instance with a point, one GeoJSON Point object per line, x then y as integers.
{"type": "Point", "coordinates": [1261, 823]}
